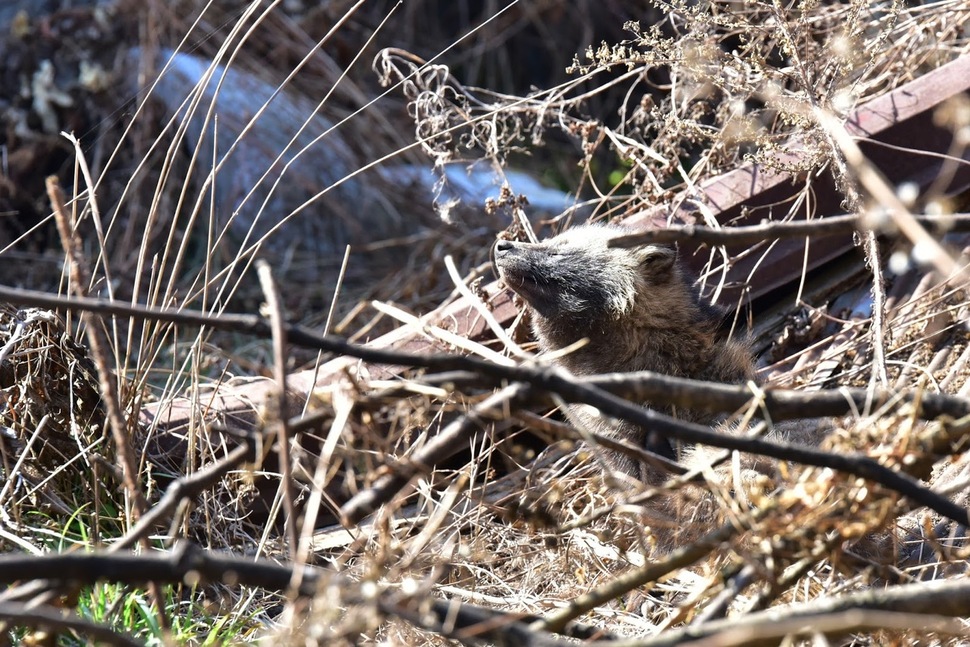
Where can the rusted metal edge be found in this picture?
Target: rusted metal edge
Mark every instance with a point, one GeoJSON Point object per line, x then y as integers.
{"type": "Point", "coordinates": [897, 133]}
{"type": "Point", "coordinates": [746, 195]}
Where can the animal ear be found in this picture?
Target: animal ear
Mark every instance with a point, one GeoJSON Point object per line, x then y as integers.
{"type": "Point", "coordinates": [657, 261]}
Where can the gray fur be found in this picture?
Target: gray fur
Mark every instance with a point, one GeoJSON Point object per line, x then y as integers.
{"type": "Point", "coordinates": [636, 307]}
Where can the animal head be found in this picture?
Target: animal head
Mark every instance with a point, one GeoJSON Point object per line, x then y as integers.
{"type": "Point", "coordinates": [577, 277]}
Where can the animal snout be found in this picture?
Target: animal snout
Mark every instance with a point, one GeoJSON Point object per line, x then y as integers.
{"type": "Point", "coordinates": [502, 246]}
{"type": "Point", "coordinates": [498, 249]}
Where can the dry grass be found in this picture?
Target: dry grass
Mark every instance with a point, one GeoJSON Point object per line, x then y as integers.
{"type": "Point", "coordinates": [538, 537]}
{"type": "Point", "coordinates": [522, 520]}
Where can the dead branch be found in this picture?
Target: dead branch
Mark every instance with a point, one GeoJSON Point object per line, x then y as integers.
{"type": "Point", "coordinates": [550, 380]}
{"type": "Point", "coordinates": [780, 404]}
{"type": "Point", "coordinates": [857, 464]}
{"type": "Point", "coordinates": [99, 347]}
{"type": "Point", "coordinates": [561, 382]}
{"type": "Point", "coordinates": [24, 615]}
{"type": "Point", "coordinates": [715, 397]}
{"type": "Point", "coordinates": [471, 624]}
{"type": "Point", "coordinates": [817, 228]}
{"type": "Point", "coordinates": [186, 563]}
{"type": "Point", "coordinates": [642, 386]}
{"type": "Point", "coordinates": [922, 606]}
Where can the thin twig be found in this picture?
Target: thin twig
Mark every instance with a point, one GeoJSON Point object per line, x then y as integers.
{"type": "Point", "coordinates": [878, 327]}
{"type": "Point", "coordinates": [275, 307]}
{"type": "Point", "coordinates": [718, 607]}
{"type": "Point", "coordinates": [470, 624]}
{"type": "Point", "coordinates": [100, 351]}
{"type": "Point", "coordinates": [879, 188]}
{"type": "Point", "coordinates": [483, 311]}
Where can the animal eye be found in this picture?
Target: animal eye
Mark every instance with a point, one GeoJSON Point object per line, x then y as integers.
{"type": "Point", "coordinates": [658, 261]}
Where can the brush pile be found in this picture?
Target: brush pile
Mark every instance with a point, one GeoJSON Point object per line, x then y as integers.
{"type": "Point", "coordinates": [394, 467]}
